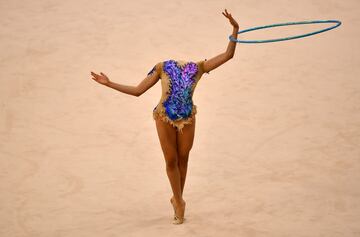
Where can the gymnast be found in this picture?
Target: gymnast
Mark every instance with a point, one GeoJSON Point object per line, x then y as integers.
{"type": "Point", "coordinates": [174, 115]}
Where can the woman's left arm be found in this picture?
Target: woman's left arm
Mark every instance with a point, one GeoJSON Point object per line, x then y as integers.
{"type": "Point", "coordinates": [230, 51]}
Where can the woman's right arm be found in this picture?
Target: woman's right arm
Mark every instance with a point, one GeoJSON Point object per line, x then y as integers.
{"type": "Point", "coordinates": [131, 90]}
{"type": "Point", "coordinates": [150, 80]}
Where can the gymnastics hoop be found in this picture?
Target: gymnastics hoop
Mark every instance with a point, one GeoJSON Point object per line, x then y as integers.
{"type": "Point", "coordinates": [285, 24]}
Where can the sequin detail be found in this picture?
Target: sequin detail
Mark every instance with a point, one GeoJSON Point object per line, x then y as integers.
{"type": "Point", "coordinates": [179, 103]}
{"type": "Point", "coordinates": [152, 70]}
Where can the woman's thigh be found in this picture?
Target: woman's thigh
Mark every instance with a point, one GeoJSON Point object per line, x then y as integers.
{"type": "Point", "coordinates": [167, 137]}
{"type": "Point", "coordinates": [185, 140]}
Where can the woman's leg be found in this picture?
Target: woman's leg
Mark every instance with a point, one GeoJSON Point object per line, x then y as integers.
{"type": "Point", "coordinates": [167, 136]}
{"type": "Point", "coordinates": [184, 145]}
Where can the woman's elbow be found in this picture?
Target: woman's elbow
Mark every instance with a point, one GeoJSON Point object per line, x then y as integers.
{"type": "Point", "coordinates": [230, 55]}
{"type": "Point", "coordinates": [138, 93]}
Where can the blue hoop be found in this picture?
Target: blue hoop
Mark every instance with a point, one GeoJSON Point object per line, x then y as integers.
{"type": "Point", "coordinates": [285, 24]}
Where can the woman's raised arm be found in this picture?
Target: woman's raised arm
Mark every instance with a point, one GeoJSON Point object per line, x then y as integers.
{"type": "Point", "coordinates": [220, 59]}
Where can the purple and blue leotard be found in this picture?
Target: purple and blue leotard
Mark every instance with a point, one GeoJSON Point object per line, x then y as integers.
{"type": "Point", "coordinates": [178, 81]}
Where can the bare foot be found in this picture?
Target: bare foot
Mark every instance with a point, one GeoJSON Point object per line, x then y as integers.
{"type": "Point", "coordinates": [172, 203]}
{"type": "Point", "coordinates": [179, 209]}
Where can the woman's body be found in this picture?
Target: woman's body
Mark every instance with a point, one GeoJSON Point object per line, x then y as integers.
{"type": "Point", "coordinates": [178, 81]}
{"type": "Point", "coordinates": [175, 113]}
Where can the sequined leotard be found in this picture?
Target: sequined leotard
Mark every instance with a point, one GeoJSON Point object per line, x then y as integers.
{"type": "Point", "coordinates": [178, 81]}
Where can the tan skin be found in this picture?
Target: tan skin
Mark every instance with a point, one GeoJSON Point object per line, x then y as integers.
{"type": "Point", "coordinates": [176, 146]}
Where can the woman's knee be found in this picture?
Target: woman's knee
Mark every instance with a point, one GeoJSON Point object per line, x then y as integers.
{"type": "Point", "coordinates": [171, 160]}
{"type": "Point", "coordinates": [183, 159]}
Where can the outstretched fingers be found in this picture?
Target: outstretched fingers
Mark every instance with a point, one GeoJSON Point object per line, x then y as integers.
{"type": "Point", "coordinates": [231, 19]}
{"type": "Point", "coordinates": [95, 76]}
{"type": "Point", "coordinates": [227, 14]}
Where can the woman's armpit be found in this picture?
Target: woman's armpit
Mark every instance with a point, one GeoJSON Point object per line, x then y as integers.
{"type": "Point", "coordinates": [201, 66]}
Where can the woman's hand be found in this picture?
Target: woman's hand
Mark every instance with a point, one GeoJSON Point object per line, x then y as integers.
{"type": "Point", "coordinates": [231, 19]}
{"type": "Point", "coordinates": [102, 79]}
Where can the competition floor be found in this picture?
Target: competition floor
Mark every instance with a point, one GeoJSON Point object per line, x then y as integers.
{"type": "Point", "coordinates": [277, 141]}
